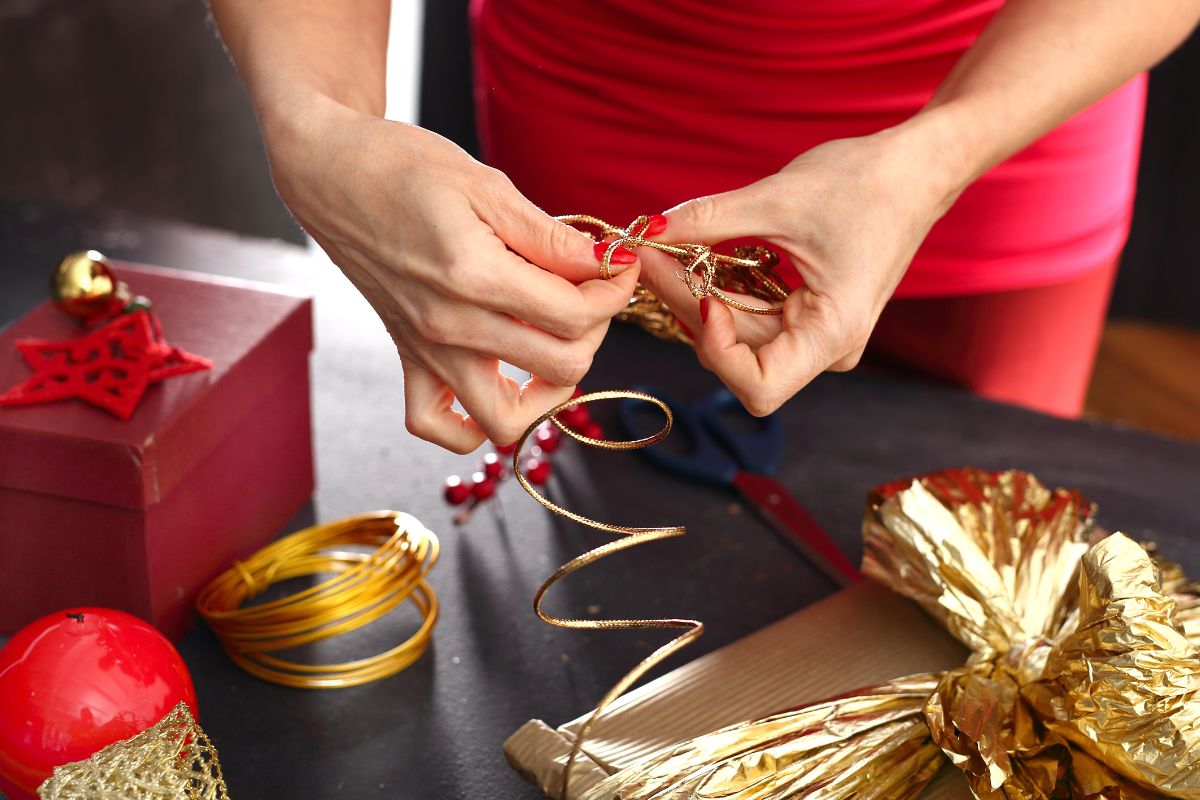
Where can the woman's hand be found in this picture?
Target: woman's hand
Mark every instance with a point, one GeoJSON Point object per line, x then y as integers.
{"type": "Point", "coordinates": [463, 270]}
{"type": "Point", "coordinates": [850, 214]}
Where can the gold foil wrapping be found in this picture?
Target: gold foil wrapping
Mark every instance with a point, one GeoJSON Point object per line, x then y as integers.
{"type": "Point", "coordinates": [1082, 682]}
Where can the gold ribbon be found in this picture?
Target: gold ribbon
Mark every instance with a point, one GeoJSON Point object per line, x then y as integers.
{"type": "Point", "coordinates": [630, 537]}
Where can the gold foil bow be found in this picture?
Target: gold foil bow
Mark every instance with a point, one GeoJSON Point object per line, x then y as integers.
{"type": "Point", "coordinates": [1083, 681]}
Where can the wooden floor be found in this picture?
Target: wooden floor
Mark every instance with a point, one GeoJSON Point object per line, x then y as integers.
{"type": "Point", "coordinates": [1149, 376]}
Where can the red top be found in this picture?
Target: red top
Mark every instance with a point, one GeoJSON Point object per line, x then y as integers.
{"type": "Point", "coordinates": [622, 108]}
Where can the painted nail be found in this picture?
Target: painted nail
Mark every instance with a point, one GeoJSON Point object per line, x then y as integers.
{"type": "Point", "coordinates": [703, 310]}
{"type": "Point", "coordinates": [622, 255]}
{"type": "Point", "coordinates": [655, 224]}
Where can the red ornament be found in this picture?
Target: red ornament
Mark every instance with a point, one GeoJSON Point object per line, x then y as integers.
{"type": "Point", "coordinates": [73, 683]}
{"type": "Point", "coordinates": [547, 438]}
{"type": "Point", "coordinates": [505, 449]}
{"type": "Point", "coordinates": [592, 430]}
{"type": "Point", "coordinates": [109, 367]}
{"type": "Point", "coordinates": [456, 492]}
{"type": "Point", "coordinates": [482, 486]}
{"type": "Point", "coordinates": [493, 467]}
{"type": "Point", "coordinates": [537, 470]}
{"type": "Point", "coordinates": [575, 417]}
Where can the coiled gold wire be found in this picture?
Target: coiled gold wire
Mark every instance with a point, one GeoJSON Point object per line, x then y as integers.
{"type": "Point", "coordinates": [365, 586]}
{"type": "Point", "coordinates": [631, 537]}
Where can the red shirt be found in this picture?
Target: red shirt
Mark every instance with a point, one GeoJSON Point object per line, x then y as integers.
{"type": "Point", "coordinates": [623, 108]}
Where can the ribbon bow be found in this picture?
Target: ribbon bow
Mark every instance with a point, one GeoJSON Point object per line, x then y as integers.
{"type": "Point", "coordinates": [1083, 681]}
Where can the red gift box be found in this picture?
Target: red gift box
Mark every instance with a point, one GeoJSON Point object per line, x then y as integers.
{"type": "Point", "coordinates": [139, 514]}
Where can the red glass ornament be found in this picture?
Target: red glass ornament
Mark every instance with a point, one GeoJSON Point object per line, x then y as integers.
{"type": "Point", "coordinates": [493, 466]}
{"type": "Point", "coordinates": [547, 438]}
{"type": "Point", "coordinates": [74, 682]}
{"type": "Point", "coordinates": [482, 486]}
{"type": "Point", "coordinates": [575, 417]}
{"type": "Point", "coordinates": [455, 491]}
{"type": "Point", "coordinates": [537, 470]}
{"type": "Point", "coordinates": [505, 449]}
{"type": "Point", "coordinates": [592, 430]}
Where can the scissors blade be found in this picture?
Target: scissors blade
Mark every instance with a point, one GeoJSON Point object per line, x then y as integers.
{"type": "Point", "coordinates": [796, 526]}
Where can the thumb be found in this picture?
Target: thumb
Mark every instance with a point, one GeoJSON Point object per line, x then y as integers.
{"type": "Point", "coordinates": [542, 240]}
{"type": "Point", "coordinates": [714, 218]}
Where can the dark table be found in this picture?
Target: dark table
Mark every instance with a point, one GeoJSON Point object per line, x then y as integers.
{"type": "Point", "coordinates": [434, 731]}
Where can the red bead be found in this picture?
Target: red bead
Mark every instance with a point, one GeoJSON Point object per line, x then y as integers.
{"type": "Point", "coordinates": [575, 417]}
{"type": "Point", "coordinates": [76, 681]}
{"type": "Point", "coordinates": [482, 486]}
{"type": "Point", "coordinates": [547, 438]}
{"type": "Point", "coordinates": [592, 430]}
{"type": "Point", "coordinates": [537, 471]}
{"type": "Point", "coordinates": [577, 393]}
{"type": "Point", "coordinates": [505, 449]}
{"type": "Point", "coordinates": [455, 491]}
{"type": "Point", "coordinates": [493, 466]}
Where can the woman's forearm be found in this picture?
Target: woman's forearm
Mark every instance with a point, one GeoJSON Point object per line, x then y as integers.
{"type": "Point", "coordinates": [290, 51]}
{"type": "Point", "coordinates": [1037, 63]}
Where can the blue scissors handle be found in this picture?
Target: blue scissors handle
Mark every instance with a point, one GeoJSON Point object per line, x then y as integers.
{"type": "Point", "coordinates": [716, 452]}
{"type": "Point", "coordinates": [704, 460]}
{"type": "Point", "coordinates": [756, 446]}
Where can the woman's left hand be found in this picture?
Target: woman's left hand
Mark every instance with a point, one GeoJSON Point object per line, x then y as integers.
{"type": "Point", "coordinates": [850, 214]}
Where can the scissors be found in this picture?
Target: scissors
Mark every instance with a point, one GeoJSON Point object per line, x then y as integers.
{"type": "Point", "coordinates": [744, 459]}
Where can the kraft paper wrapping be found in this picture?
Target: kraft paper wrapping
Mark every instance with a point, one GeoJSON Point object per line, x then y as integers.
{"type": "Point", "coordinates": [868, 636]}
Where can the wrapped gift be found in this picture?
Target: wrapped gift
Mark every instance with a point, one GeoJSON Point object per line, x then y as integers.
{"type": "Point", "coordinates": [1082, 680]}
{"type": "Point", "coordinates": [138, 514]}
{"type": "Point", "coordinates": [867, 637]}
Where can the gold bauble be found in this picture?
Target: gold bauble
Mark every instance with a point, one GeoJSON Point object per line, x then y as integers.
{"type": "Point", "coordinates": [84, 284]}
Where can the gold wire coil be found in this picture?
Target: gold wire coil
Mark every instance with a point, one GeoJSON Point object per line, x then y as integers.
{"type": "Point", "coordinates": [365, 586]}
{"type": "Point", "coordinates": [631, 537]}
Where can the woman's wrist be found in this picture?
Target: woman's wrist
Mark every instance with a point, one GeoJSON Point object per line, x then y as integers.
{"type": "Point", "coordinates": [938, 154]}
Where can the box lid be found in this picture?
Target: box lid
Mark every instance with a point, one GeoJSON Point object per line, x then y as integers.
{"type": "Point", "coordinates": [253, 333]}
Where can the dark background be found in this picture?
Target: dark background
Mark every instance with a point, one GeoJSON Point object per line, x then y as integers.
{"type": "Point", "coordinates": [132, 105]}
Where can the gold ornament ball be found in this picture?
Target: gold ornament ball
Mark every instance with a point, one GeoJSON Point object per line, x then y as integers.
{"type": "Point", "coordinates": [84, 284]}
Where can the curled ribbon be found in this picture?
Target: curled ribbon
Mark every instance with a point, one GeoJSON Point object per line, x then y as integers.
{"type": "Point", "coordinates": [631, 537]}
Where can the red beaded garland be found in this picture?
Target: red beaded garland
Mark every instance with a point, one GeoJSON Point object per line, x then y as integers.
{"type": "Point", "coordinates": [456, 492]}
{"type": "Point", "coordinates": [482, 486]}
{"type": "Point", "coordinates": [537, 470]}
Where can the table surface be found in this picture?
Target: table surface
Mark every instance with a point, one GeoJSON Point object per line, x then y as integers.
{"type": "Point", "coordinates": [435, 731]}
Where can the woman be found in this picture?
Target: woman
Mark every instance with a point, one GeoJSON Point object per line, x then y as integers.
{"type": "Point", "coordinates": [840, 132]}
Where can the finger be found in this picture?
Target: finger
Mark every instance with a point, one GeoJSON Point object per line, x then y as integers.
{"type": "Point", "coordinates": [552, 245]}
{"type": "Point", "coordinates": [500, 406]}
{"type": "Point", "coordinates": [429, 411]}
{"type": "Point", "coordinates": [764, 379]}
{"type": "Point", "coordinates": [560, 361]}
{"type": "Point", "coordinates": [715, 218]}
{"type": "Point", "coordinates": [660, 272]}
{"type": "Point", "coordinates": [513, 286]}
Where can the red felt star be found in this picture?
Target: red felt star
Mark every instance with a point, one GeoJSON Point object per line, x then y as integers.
{"type": "Point", "coordinates": [109, 367]}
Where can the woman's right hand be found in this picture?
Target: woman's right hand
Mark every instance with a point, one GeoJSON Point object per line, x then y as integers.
{"type": "Point", "coordinates": [463, 270]}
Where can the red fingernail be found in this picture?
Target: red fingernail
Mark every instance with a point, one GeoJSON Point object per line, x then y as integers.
{"type": "Point", "coordinates": [622, 255]}
{"type": "Point", "coordinates": [703, 310]}
{"type": "Point", "coordinates": [655, 224]}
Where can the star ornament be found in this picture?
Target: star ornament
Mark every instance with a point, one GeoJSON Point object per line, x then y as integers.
{"type": "Point", "coordinates": [110, 368]}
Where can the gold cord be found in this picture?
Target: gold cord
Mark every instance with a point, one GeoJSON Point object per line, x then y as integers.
{"type": "Point", "coordinates": [365, 587]}
{"type": "Point", "coordinates": [632, 537]}
{"type": "Point", "coordinates": [705, 272]}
